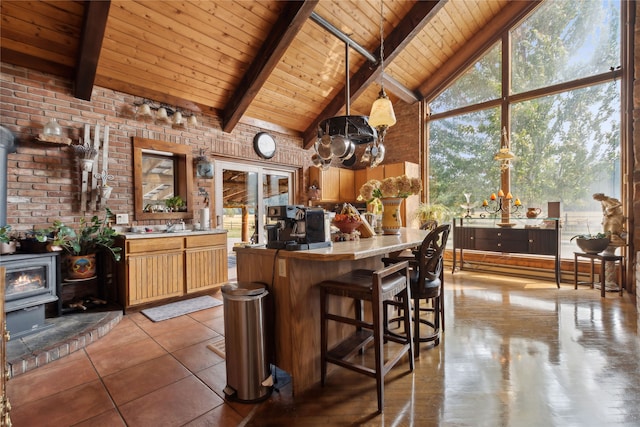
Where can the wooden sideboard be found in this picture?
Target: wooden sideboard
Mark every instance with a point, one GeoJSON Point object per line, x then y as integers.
{"type": "Point", "coordinates": [532, 237]}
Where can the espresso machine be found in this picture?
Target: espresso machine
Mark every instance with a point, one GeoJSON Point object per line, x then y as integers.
{"type": "Point", "coordinates": [297, 227]}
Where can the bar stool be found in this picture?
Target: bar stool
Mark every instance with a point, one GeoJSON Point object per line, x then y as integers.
{"type": "Point", "coordinates": [375, 287]}
{"type": "Point", "coordinates": [426, 281]}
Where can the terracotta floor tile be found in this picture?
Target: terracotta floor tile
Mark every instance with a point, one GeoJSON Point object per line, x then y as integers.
{"type": "Point", "coordinates": [217, 324]}
{"type": "Point", "coordinates": [63, 374]}
{"type": "Point", "coordinates": [125, 332]}
{"type": "Point", "coordinates": [123, 357]}
{"type": "Point", "coordinates": [66, 408]}
{"type": "Point", "coordinates": [159, 328]}
{"type": "Point", "coordinates": [181, 337]}
{"type": "Point", "coordinates": [110, 418]}
{"type": "Point", "coordinates": [216, 378]}
{"type": "Point", "coordinates": [132, 383]}
{"type": "Point", "coordinates": [173, 405]}
{"type": "Point", "coordinates": [208, 314]}
{"type": "Point", "coordinates": [198, 357]}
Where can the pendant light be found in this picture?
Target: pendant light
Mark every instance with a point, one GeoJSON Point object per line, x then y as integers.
{"type": "Point", "coordinates": [382, 115]}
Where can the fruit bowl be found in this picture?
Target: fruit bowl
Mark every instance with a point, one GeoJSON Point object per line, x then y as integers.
{"type": "Point", "coordinates": [347, 226]}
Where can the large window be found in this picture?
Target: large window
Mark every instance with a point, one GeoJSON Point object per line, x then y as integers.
{"type": "Point", "coordinates": [561, 107]}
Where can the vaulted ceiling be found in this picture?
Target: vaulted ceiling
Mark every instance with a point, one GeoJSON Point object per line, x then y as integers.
{"type": "Point", "coordinates": [278, 64]}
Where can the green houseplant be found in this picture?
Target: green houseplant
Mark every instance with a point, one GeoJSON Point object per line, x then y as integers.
{"type": "Point", "coordinates": [81, 245]}
{"type": "Point", "coordinates": [174, 203]}
{"type": "Point", "coordinates": [432, 213]}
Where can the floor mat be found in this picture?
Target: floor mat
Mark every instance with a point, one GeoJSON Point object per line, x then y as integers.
{"type": "Point", "coordinates": [175, 309]}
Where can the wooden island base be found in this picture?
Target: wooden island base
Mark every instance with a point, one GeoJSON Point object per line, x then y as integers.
{"type": "Point", "coordinates": [292, 278]}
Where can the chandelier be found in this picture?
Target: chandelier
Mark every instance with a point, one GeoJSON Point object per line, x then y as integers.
{"type": "Point", "coordinates": [504, 155]}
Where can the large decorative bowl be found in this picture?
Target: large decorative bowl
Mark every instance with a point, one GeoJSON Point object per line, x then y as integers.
{"type": "Point", "coordinates": [593, 246]}
{"type": "Point", "coordinates": [347, 226]}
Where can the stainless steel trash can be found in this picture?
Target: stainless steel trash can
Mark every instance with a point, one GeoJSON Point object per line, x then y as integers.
{"type": "Point", "coordinates": [248, 372]}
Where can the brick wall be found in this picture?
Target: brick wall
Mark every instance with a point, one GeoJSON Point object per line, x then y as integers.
{"type": "Point", "coordinates": [43, 182]}
{"type": "Point", "coordinates": [403, 140]}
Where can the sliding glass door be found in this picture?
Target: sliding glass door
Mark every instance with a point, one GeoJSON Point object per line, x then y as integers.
{"type": "Point", "coordinates": [242, 194]}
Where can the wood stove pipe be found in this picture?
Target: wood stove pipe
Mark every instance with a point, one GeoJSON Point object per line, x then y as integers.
{"type": "Point", "coordinates": [7, 146]}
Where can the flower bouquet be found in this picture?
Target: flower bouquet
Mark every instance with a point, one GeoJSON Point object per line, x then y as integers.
{"type": "Point", "coordinates": [398, 186]}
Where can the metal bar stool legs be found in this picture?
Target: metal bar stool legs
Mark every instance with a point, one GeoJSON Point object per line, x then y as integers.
{"type": "Point", "coordinates": [375, 287]}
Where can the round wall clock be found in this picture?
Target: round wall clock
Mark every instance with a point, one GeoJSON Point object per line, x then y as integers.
{"type": "Point", "coordinates": [264, 145]}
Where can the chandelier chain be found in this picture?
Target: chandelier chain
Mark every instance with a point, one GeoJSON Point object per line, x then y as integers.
{"type": "Point", "coordinates": [381, 40]}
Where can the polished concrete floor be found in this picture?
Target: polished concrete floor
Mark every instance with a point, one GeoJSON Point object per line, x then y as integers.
{"type": "Point", "coordinates": [516, 352]}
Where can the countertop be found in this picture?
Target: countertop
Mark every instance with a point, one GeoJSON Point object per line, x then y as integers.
{"type": "Point", "coordinates": [156, 234]}
{"type": "Point", "coordinates": [352, 250]}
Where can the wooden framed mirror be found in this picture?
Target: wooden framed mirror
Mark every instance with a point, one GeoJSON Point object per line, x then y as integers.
{"type": "Point", "coordinates": [161, 171]}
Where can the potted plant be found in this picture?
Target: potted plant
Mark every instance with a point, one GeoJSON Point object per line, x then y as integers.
{"type": "Point", "coordinates": [81, 245]}
{"type": "Point", "coordinates": [592, 243]}
{"type": "Point", "coordinates": [174, 203]}
{"type": "Point", "coordinates": [429, 214]}
{"type": "Point", "coordinates": [7, 241]}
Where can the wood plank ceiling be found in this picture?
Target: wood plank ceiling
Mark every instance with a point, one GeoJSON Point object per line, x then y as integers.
{"type": "Point", "coordinates": [266, 62]}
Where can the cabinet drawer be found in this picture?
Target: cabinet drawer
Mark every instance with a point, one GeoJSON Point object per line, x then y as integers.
{"type": "Point", "coordinates": [161, 244]}
{"type": "Point", "coordinates": [206, 240]}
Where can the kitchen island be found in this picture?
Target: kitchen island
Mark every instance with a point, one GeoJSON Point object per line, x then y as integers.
{"type": "Point", "coordinates": [292, 277]}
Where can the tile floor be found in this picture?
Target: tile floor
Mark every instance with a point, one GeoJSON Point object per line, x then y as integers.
{"type": "Point", "coordinates": [140, 374]}
{"type": "Point", "coordinates": [516, 352]}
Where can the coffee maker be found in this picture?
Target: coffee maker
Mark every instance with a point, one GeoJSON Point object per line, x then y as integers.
{"type": "Point", "coordinates": [297, 227]}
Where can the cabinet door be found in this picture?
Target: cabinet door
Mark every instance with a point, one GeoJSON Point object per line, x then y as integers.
{"type": "Point", "coordinates": [328, 181]}
{"type": "Point", "coordinates": [347, 179]}
{"type": "Point", "coordinates": [513, 241]}
{"type": "Point", "coordinates": [464, 238]}
{"type": "Point", "coordinates": [543, 242]}
{"type": "Point", "coordinates": [205, 262]}
{"type": "Point", "coordinates": [155, 276]}
{"type": "Point", "coordinates": [486, 239]}
{"type": "Point", "coordinates": [359, 179]}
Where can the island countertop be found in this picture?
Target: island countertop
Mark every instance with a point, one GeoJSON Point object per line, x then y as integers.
{"type": "Point", "coordinates": [353, 250]}
{"type": "Point", "coordinates": [292, 277]}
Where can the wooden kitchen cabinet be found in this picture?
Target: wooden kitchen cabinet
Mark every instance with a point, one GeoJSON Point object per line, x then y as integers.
{"type": "Point", "coordinates": [155, 269]}
{"type": "Point", "coordinates": [206, 262]}
{"type": "Point", "coordinates": [336, 184]}
{"type": "Point", "coordinates": [347, 192]}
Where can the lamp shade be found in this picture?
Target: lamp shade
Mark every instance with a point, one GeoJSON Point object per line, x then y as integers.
{"type": "Point", "coordinates": [192, 120]}
{"type": "Point", "coordinates": [145, 110]}
{"type": "Point", "coordinates": [382, 112]}
{"type": "Point", "coordinates": [162, 113]}
{"type": "Point", "coordinates": [177, 118]}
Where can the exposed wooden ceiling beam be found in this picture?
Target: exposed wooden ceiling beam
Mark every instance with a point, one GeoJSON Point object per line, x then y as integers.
{"type": "Point", "coordinates": [93, 28]}
{"type": "Point", "coordinates": [474, 48]}
{"type": "Point", "coordinates": [291, 20]}
{"type": "Point", "coordinates": [32, 62]}
{"type": "Point", "coordinates": [406, 30]}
